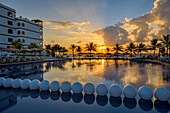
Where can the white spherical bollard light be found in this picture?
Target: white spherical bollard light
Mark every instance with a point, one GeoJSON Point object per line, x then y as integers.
{"type": "Point", "coordinates": [89, 88]}
{"type": "Point", "coordinates": [35, 84]}
{"type": "Point", "coordinates": [1, 81]}
{"type": "Point", "coordinates": [101, 89]}
{"type": "Point", "coordinates": [145, 92]}
{"type": "Point", "coordinates": [55, 86]}
{"type": "Point", "coordinates": [129, 91]}
{"type": "Point", "coordinates": [7, 82]}
{"type": "Point", "coordinates": [45, 85]}
{"type": "Point", "coordinates": [162, 94]}
{"type": "Point", "coordinates": [115, 90]}
{"type": "Point", "coordinates": [16, 83]}
{"type": "Point", "coordinates": [25, 84]}
{"type": "Point", "coordinates": [66, 86]}
{"type": "Point", "coordinates": [77, 87]}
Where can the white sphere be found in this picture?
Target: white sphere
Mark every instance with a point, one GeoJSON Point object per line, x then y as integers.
{"type": "Point", "coordinates": [129, 91]}
{"type": "Point", "coordinates": [1, 81]}
{"type": "Point", "coordinates": [55, 86]}
{"type": "Point", "coordinates": [145, 92]}
{"type": "Point", "coordinates": [16, 83]}
{"type": "Point", "coordinates": [115, 90]}
{"type": "Point", "coordinates": [45, 85]}
{"type": "Point", "coordinates": [25, 84]}
{"type": "Point", "coordinates": [35, 84]}
{"type": "Point", "coordinates": [77, 87]}
{"type": "Point", "coordinates": [162, 94]}
{"type": "Point", "coordinates": [7, 82]}
{"type": "Point", "coordinates": [89, 88]}
{"type": "Point", "coordinates": [66, 86]}
{"type": "Point", "coordinates": [101, 89]}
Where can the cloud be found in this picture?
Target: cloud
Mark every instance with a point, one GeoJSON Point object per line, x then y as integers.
{"type": "Point", "coordinates": [113, 34]}
{"type": "Point", "coordinates": [79, 42]}
{"type": "Point", "coordinates": [142, 28]}
{"type": "Point", "coordinates": [53, 41]}
{"type": "Point", "coordinates": [64, 24]}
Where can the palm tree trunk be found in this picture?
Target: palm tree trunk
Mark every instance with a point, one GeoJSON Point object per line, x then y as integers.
{"type": "Point", "coordinates": [73, 54]}
{"type": "Point", "coordinates": [90, 54]}
{"type": "Point", "coordinates": [167, 51]}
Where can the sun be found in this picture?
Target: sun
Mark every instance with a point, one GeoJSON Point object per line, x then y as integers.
{"type": "Point", "coordinates": [102, 47]}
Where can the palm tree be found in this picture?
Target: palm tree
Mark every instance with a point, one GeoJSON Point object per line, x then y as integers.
{"type": "Point", "coordinates": [79, 49]}
{"type": "Point", "coordinates": [16, 44]}
{"type": "Point", "coordinates": [91, 47]}
{"type": "Point", "coordinates": [73, 47]}
{"type": "Point", "coordinates": [56, 47]}
{"type": "Point", "coordinates": [141, 47]}
{"type": "Point", "coordinates": [107, 50]}
{"type": "Point", "coordinates": [117, 48]}
{"type": "Point", "coordinates": [33, 45]}
{"type": "Point", "coordinates": [155, 44]}
{"type": "Point", "coordinates": [48, 48]}
{"type": "Point", "coordinates": [131, 47]}
{"type": "Point", "coordinates": [166, 42]}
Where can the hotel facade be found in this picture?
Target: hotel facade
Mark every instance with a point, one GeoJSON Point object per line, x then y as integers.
{"type": "Point", "coordinates": [18, 28]}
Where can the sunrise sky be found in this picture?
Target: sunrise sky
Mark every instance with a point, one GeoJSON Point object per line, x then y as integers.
{"type": "Point", "coordinates": [104, 22]}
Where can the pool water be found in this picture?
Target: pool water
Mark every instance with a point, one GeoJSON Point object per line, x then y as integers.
{"type": "Point", "coordinates": [95, 71]}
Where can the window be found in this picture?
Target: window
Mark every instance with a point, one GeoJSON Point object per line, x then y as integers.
{"type": "Point", "coordinates": [23, 25]}
{"type": "Point", "coordinates": [19, 40]}
{"type": "Point", "coordinates": [10, 39]}
{"type": "Point", "coordinates": [41, 30]}
{"type": "Point", "coordinates": [10, 23]}
{"type": "Point", "coordinates": [41, 43]}
{"type": "Point", "coordinates": [19, 32]}
{"type": "Point", "coordinates": [18, 24]}
{"type": "Point", "coordinates": [10, 31]}
{"type": "Point", "coordinates": [23, 32]}
{"type": "Point", "coordinates": [23, 40]}
{"type": "Point", "coordinates": [41, 36]}
{"type": "Point", "coordinates": [10, 14]}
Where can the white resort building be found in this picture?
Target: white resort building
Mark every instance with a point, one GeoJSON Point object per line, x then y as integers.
{"type": "Point", "coordinates": [18, 28]}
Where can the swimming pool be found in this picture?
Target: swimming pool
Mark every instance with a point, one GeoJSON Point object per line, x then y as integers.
{"type": "Point", "coordinates": [95, 71]}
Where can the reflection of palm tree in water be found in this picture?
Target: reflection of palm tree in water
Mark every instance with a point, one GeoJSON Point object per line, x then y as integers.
{"type": "Point", "coordinates": [73, 65]}
{"type": "Point", "coordinates": [79, 63]}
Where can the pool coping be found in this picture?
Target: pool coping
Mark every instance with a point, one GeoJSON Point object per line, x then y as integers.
{"type": "Point", "coordinates": [32, 62]}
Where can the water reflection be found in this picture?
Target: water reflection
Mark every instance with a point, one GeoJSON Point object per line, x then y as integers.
{"type": "Point", "coordinates": [77, 97]}
{"type": "Point", "coordinates": [8, 98]}
{"type": "Point", "coordinates": [129, 103]}
{"type": "Point", "coordinates": [89, 99]}
{"type": "Point", "coordinates": [96, 71]}
{"type": "Point", "coordinates": [115, 101]}
{"type": "Point", "coordinates": [145, 105]}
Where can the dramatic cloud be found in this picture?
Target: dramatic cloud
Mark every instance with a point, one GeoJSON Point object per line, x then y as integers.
{"type": "Point", "coordinates": [113, 34]}
{"type": "Point", "coordinates": [141, 29]}
{"type": "Point", "coordinates": [151, 25]}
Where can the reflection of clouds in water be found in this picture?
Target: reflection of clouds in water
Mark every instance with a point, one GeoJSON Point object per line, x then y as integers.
{"type": "Point", "coordinates": [95, 71]}
{"type": "Point", "coordinates": [111, 71]}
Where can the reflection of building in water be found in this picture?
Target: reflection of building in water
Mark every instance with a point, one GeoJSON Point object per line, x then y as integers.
{"type": "Point", "coordinates": [7, 100]}
{"type": "Point", "coordinates": [33, 71]}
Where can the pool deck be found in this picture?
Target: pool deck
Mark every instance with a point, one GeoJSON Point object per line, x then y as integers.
{"type": "Point", "coordinates": [31, 62]}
